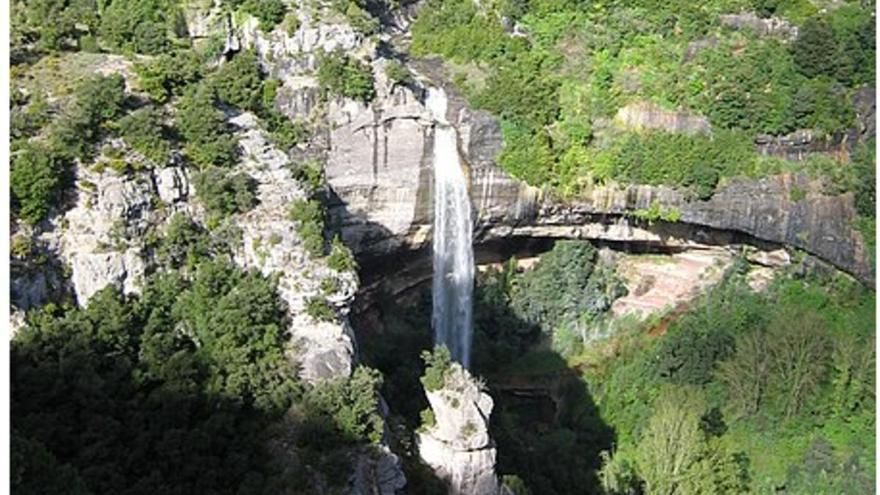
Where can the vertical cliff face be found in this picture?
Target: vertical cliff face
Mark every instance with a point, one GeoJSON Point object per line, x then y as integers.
{"type": "Point", "coordinates": [457, 446]}
{"type": "Point", "coordinates": [379, 168]}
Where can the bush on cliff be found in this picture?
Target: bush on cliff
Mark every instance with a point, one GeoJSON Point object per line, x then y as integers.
{"type": "Point", "coordinates": [342, 75]}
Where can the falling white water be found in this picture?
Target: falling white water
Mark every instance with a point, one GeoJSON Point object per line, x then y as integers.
{"type": "Point", "coordinates": [453, 282]}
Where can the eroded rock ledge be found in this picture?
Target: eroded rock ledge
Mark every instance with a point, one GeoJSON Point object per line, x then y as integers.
{"type": "Point", "coordinates": [379, 169]}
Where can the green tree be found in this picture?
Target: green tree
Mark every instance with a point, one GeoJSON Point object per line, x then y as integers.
{"type": "Point", "coordinates": [184, 242]}
{"type": "Point", "coordinates": [168, 74]}
{"type": "Point", "coordinates": [814, 49]}
{"type": "Point", "coordinates": [239, 82]}
{"type": "Point", "coordinates": [437, 365]}
{"type": "Point", "coordinates": [204, 130]}
{"type": "Point", "coordinates": [310, 216]}
{"type": "Point", "coordinates": [225, 193]}
{"type": "Point", "coordinates": [676, 456]}
{"type": "Point", "coordinates": [96, 101]}
{"type": "Point", "coordinates": [746, 373]}
{"type": "Point", "coordinates": [59, 24]}
{"type": "Point", "coordinates": [35, 180]}
{"type": "Point", "coordinates": [342, 75]}
{"type": "Point", "coordinates": [238, 324]}
{"type": "Point", "coordinates": [865, 169]}
{"type": "Point", "coordinates": [143, 130]}
{"type": "Point", "coordinates": [824, 105]}
{"type": "Point", "coordinates": [341, 258]}
{"type": "Point", "coordinates": [853, 379]}
{"type": "Point", "coordinates": [269, 12]}
{"type": "Point", "coordinates": [798, 345]}
{"type": "Point", "coordinates": [352, 405]}
{"type": "Point", "coordinates": [672, 443]}
{"type": "Point", "coordinates": [142, 26]}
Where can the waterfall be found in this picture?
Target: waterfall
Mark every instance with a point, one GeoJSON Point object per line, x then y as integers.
{"type": "Point", "coordinates": [453, 281]}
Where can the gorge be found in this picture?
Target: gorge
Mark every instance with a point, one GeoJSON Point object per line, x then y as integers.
{"type": "Point", "coordinates": [442, 247]}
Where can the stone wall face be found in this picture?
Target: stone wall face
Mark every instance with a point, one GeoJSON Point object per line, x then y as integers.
{"type": "Point", "coordinates": [379, 168]}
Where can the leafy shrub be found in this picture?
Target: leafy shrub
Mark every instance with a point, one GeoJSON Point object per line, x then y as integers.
{"type": "Point", "coordinates": [143, 131]}
{"type": "Point", "coordinates": [437, 364]}
{"type": "Point", "coordinates": [656, 212]}
{"type": "Point", "coordinates": [310, 174]}
{"type": "Point", "coordinates": [351, 404]}
{"type": "Point", "coordinates": [204, 130]}
{"type": "Point", "coordinates": [239, 82]}
{"type": "Point", "coordinates": [25, 121]}
{"type": "Point", "coordinates": [35, 180]}
{"type": "Point", "coordinates": [342, 75]}
{"type": "Point", "coordinates": [168, 74]}
{"type": "Point", "coordinates": [284, 132]}
{"type": "Point", "coordinates": [340, 258]}
{"type": "Point", "coordinates": [138, 25]}
{"type": "Point", "coordinates": [427, 418]}
{"type": "Point", "coordinates": [224, 193]}
{"type": "Point", "coordinates": [398, 74]}
{"type": "Point", "coordinates": [310, 216]}
{"type": "Point", "coordinates": [96, 101]}
{"type": "Point", "coordinates": [329, 286]}
{"type": "Point", "coordinates": [357, 14]}
{"type": "Point", "coordinates": [319, 309]}
{"type": "Point", "coordinates": [269, 12]}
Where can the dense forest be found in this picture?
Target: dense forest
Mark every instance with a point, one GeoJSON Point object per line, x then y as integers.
{"type": "Point", "coordinates": [744, 392]}
{"type": "Point", "coordinates": [190, 384]}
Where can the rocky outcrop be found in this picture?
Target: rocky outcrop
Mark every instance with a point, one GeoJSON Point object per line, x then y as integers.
{"type": "Point", "coordinates": [655, 285]}
{"type": "Point", "coordinates": [772, 26]}
{"type": "Point", "coordinates": [457, 446]}
{"type": "Point", "coordinates": [379, 179]}
{"type": "Point", "coordinates": [271, 243]}
{"type": "Point", "coordinates": [290, 54]}
{"type": "Point", "coordinates": [803, 143]}
{"type": "Point", "coordinates": [646, 115]}
{"type": "Point", "coordinates": [379, 170]}
{"type": "Point", "coordinates": [103, 239]}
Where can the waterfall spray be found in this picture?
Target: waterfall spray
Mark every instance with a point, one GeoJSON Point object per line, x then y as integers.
{"type": "Point", "coordinates": [453, 281]}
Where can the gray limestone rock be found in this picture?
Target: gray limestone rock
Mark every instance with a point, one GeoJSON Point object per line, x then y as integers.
{"type": "Point", "coordinates": [103, 238]}
{"type": "Point", "coordinates": [380, 172]}
{"type": "Point", "coordinates": [772, 26]}
{"type": "Point", "coordinates": [457, 446]}
{"type": "Point", "coordinates": [649, 116]}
